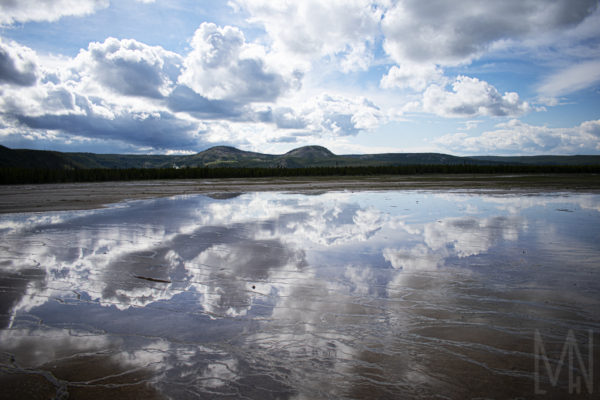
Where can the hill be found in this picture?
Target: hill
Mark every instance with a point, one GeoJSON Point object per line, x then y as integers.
{"type": "Point", "coordinates": [225, 156]}
{"type": "Point", "coordinates": [34, 159]}
{"type": "Point", "coordinates": [24, 158]}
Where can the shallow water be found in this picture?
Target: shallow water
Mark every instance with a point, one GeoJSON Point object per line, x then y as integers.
{"type": "Point", "coordinates": [397, 294]}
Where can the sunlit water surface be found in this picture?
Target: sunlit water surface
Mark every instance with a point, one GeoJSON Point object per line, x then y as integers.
{"type": "Point", "coordinates": [399, 294]}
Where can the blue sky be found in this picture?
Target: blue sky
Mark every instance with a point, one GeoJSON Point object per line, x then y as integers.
{"type": "Point", "coordinates": [515, 77]}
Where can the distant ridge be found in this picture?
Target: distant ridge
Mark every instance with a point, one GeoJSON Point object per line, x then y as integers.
{"type": "Point", "coordinates": [543, 160]}
{"type": "Point", "coordinates": [226, 156]}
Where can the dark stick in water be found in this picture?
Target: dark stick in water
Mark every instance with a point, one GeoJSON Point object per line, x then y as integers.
{"type": "Point", "coordinates": [152, 279]}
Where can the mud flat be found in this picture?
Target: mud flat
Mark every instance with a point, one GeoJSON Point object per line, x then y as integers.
{"type": "Point", "coordinates": [79, 196]}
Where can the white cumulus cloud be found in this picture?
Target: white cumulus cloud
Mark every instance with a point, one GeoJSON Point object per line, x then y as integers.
{"type": "Point", "coordinates": [222, 65]}
{"type": "Point", "coordinates": [12, 11]}
{"type": "Point", "coordinates": [330, 114]}
{"type": "Point", "coordinates": [129, 67]}
{"type": "Point", "coordinates": [414, 76]}
{"type": "Point", "coordinates": [345, 29]}
{"type": "Point", "coordinates": [472, 97]}
{"type": "Point", "coordinates": [18, 64]}
{"type": "Point", "coordinates": [516, 137]}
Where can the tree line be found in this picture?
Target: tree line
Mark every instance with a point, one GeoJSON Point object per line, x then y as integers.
{"type": "Point", "coordinates": [38, 175]}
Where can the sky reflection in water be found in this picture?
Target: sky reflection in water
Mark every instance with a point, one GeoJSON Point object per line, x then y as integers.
{"type": "Point", "coordinates": [271, 295]}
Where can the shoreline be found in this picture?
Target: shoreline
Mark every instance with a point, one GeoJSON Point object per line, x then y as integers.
{"type": "Point", "coordinates": [82, 196]}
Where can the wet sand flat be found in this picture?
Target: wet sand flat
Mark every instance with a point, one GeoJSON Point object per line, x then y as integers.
{"type": "Point", "coordinates": [305, 294]}
{"type": "Point", "coordinates": [79, 196]}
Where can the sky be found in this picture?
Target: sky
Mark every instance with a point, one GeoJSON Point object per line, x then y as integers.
{"type": "Point", "coordinates": [511, 77]}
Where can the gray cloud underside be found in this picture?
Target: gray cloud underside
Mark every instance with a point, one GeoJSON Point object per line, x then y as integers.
{"type": "Point", "coordinates": [184, 99]}
{"type": "Point", "coordinates": [447, 33]}
{"type": "Point", "coordinates": [163, 131]}
{"type": "Point", "coordinates": [15, 68]}
{"type": "Point", "coordinates": [131, 68]}
{"type": "Point", "coordinates": [132, 80]}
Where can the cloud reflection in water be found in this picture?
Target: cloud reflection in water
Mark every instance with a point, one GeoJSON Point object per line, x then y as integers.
{"type": "Point", "coordinates": [283, 295]}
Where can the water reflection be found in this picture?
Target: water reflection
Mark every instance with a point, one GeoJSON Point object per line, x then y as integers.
{"type": "Point", "coordinates": [271, 295]}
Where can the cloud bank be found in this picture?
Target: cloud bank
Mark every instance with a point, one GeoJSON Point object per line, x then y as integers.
{"type": "Point", "coordinates": [145, 96]}
{"type": "Point", "coordinates": [518, 138]}
{"type": "Point", "coordinates": [303, 72]}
